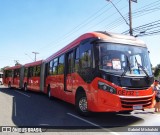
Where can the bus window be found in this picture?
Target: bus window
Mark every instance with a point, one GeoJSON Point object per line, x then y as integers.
{"type": "Point", "coordinates": [85, 55]}
{"type": "Point", "coordinates": [16, 73]}
{"type": "Point", "coordinates": [9, 73]}
{"type": "Point", "coordinates": [86, 59]}
{"type": "Point", "coordinates": [30, 71]}
{"type": "Point", "coordinates": [70, 63]}
{"type": "Point", "coordinates": [61, 65]}
{"type": "Point", "coordinates": [53, 67]}
{"type": "Point", "coordinates": [77, 53]}
{"type": "Point", "coordinates": [77, 59]}
{"type": "Point", "coordinates": [50, 68]}
{"type": "Point", "coordinates": [34, 71]}
{"type": "Point", "coordinates": [38, 70]}
{"type": "Point", "coordinates": [55, 64]}
{"type": "Point", "coordinates": [25, 72]}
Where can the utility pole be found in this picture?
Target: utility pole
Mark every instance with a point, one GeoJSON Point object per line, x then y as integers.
{"type": "Point", "coordinates": [130, 15]}
{"type": "Point", "coordinates": [35, 54]}
{"type": "Point", "coordinates": [130, 19]}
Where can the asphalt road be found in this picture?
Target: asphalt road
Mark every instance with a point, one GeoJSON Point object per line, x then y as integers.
{"type": "Point", "coordinates": [19, 108]}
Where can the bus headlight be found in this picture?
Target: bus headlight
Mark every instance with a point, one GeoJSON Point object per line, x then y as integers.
{"type": "Point", "coordinates": [106, 87]}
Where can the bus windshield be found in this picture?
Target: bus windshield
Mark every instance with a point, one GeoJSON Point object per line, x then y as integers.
{"type": "Point", "coordinates": [124, 60]}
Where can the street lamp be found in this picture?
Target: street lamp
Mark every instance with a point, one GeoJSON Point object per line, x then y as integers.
{"type": "Point", "coordinates": [35, 54]}
{"type": "Point", "coordinates": [118, 11]}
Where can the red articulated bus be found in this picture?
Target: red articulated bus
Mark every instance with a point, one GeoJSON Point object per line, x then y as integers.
{"type": "Point", "coordinates": [98, 72]}
{"type": "Point", "coordinates": [12, 76]}
{"type": "Point", "coordinates": [27, 76]}
{"type": "Point", "coordinates": [101, 72]}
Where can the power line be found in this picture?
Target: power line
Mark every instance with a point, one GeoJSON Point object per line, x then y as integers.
{"type": "Point", "coordinates": [118, 21]}
{"type": "Point", "coordinates": [118, 11]}
{"type": "Point", "coordinates": [147, 29]}
{"type": "Point", "coordinates": [107, 18]}
{"type": "Point", "coordinates": [29, 56]}
{"type": "Point", "coordinates": [151, 7]}
{"type": "Point", "coordinates": [85, 23]}
{"type": "Point", "coordinates": [141, 13]}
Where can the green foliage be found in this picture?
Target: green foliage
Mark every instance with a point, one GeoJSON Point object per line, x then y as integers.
{"type": "Point", "coordinates": [157, 71]}
{"type": "Point", "coordinates": [1, 69]}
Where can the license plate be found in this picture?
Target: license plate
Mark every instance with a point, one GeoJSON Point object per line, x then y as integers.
{"type": "Point", "coordinates": [137, 107]}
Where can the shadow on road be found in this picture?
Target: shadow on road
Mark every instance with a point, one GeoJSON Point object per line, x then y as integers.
{"type": "Point", "coordinates": [38, 110]}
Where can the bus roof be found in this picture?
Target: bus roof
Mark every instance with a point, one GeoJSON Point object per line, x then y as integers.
{"type": "Point", "coordinates": [107, 37]}
{"type": "Point", "coordinates": [14, 67]}
{"type": "Point", "coordinates": [72, 45]}
{"type": "Point", "coordinates": [33, 63]}
{"type": "Point", "coordinates": [123, 39]}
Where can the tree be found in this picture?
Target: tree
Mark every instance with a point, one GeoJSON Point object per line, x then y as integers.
{"type": "Point", "coordinates": [4, 68]}
{"type": "Point", "coordinates": [157, 71]}
{"type": "Point", "coordinates": [17, 63]}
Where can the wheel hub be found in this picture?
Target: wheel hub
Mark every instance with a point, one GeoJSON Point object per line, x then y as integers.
{"type": "Point", "coordinates": [83, 104]}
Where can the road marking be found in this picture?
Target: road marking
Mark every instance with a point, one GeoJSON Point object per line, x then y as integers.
{"type": "Point", "coordinates": [44, 124]}
{"type": "Point", "coordinates": [15, 111]}
{"type": "Point", "coordinates": [108, 130]}
{"type": "Point", "coordinates": [23, 94]}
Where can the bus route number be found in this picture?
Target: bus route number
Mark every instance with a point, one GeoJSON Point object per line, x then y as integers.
{"type": "Point", "coordinates": [125, 93]}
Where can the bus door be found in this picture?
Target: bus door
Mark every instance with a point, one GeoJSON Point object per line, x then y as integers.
{"type": "Point", "coordinates": [29, 78]}
{"type": "Point", "coordinates": [69, 75]}
{"type": "Point", "coordinates": [17, 78]}
{"type": "Point", "coordinates": [13, 77]}
{"type": "Point", "coordinates": [15, 74]}
{"type": "Point", "coordinates": [26, 75]}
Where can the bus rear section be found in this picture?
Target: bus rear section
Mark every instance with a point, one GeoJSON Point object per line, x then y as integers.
{"type": "Point", "coordinates": [32, 76]}
{"type": "Point", "coordinates": [1, 78]}
{"type": "Point", "coordinates": [12, 76]}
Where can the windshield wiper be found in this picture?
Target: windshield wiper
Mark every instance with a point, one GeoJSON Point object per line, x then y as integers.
{"type": "Point", "coordinates": [140, 66]}
{"type": "Point", "coordinates": [127, 67]}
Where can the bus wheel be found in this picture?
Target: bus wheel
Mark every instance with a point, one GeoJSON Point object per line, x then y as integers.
{"type": "Point", "coordinates": [9, 85]}
{"type": "Point", "coordinates": [81, 104]}
{"type": "Point", "coordinates": [0, 83]}
{"type": "Point", "coordinates": [25, 87]}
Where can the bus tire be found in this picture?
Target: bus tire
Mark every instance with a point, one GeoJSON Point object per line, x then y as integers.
{"type": "Point", "coordinates": [81, 104]}
{"type": "Point", "coordinates": [0, 83]}
{"type": "Point", "coordinates": [25, 87]}
{"type": "Point", "coordinates": [9, 85]}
